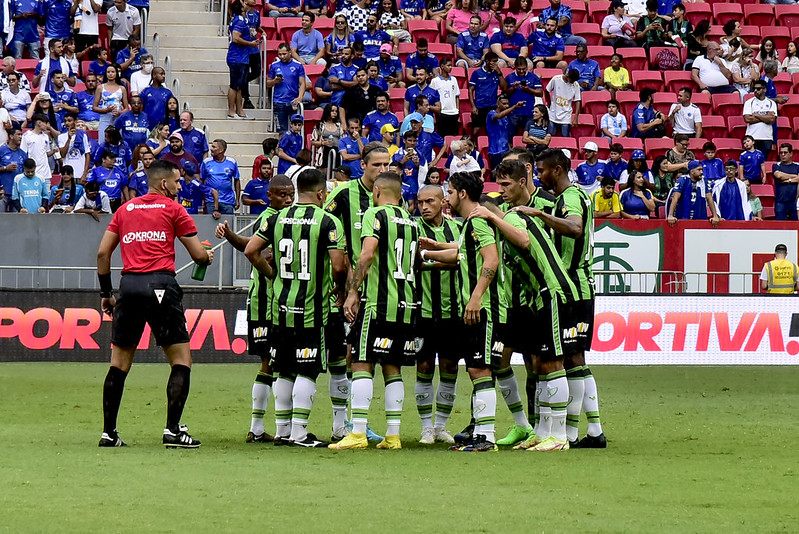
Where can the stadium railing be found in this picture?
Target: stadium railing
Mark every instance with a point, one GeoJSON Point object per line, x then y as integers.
{"type": "Point", "coordinates": [86, 276]}
{"type": "Point", "coordinates": [145, 19]}
{"type": "Point", "coordinates": [675, 282]}
{"type": "Point", "coordinates": [156, 49]}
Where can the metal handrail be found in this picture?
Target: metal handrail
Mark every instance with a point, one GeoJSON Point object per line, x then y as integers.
{"type": "Point", "coordinates": [167, 68]}
{"type": "Point", "coordinates": [49, 269]}
{"type": "Point", "coordinates": [145, 19]}
{"type": "Point", "coordinates": [156, 49]}
{"type": "Point", "coordinates": [262, 77]}
{"type": "Point", "coordinates": [223, 16]}
{"type": "Point", "coordinates": [176, 88]}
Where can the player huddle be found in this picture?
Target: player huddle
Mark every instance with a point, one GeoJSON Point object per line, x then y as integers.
{"type": "Point", "coordinates": [353, 280]}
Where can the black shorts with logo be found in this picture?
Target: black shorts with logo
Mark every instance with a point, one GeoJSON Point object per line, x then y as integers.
{"type": "Point", "coordinates": [584, 316]}
{"type": "Point", "coordinates": [336, 336]}
{"type": "Point", "coordinates": [555, 330]}
{"type": "Point", "coordinates": [385, 343]}
{"type": "Point", "coordinates": [480, 344]}
{"type": "Point", "coordinates": [258, 343]}
{"type": "Point", "coordinates": [438, 337]}
{"type": "Point", "coordinates": [299, 351]}
{"type": "Point", "coordinates": [155, 299]}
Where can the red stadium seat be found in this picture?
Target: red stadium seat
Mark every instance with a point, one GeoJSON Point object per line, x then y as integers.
{"type": "Point", "coordinates": [84, 67]}
{"type": "Point", "coordinates": [662, 102]}
{"type": "Point", "coordinates": [585, 127]}
{"type": "Point", "coordinates": [728, 148]}
{"type": "Point", "coordinates": [441, 49]}
{"type": "Point", "coordinates": [287, 26]}
{"type": "Point", "coordinates": [727, 105]}
{"type": "Point", "coordinates": [579, 11]}
{"type": "Point", "coordinates": [569, 143]}
{"type": "Point", "coordinates": [750, 34]}
{"type": "Point", "coordinates": [629, 144]}
{"type": "Point", "coordinates": [703, 102]}
{"type": "Point", "coordinates": [595, 102]}
{"type": "Point", "coordinates": [647, 78]}
{"type": "Point", "coordinates": [601, 54]}
{"type": "Point", "coordinates": [325, 25]}
{"type": "Point", "coordinates": [780, 34]}
{"type": "Point", "coordinates": [427, 29]}
{"type": "Point", "coordinates": [490, 187]}
{"type": "Point", "coordinates": [723, 13]}
{"type": "Point", "coordinates": [768, 214]}
{"type": "Point", "coordinates": [787, 15]}
{"type": "Point", "coordinates": [769, 165]}
{"type": "Point", "coordinates": [590, 31]}
{"type": "Point", "coordinates": [396, 99]}
{"type": "Point", "coordinates": [460, 74]}
{"type": "Point", "coordinates": [713, 126]}
{"type": "Point", "coordinates": [405, 50]}
{"type": "Point", "coordinates": [673, 80]}
{"type": "Point", "coordinates": [314, 72]}
{"type": "Point", "coordinates": [790, 109]}
{"type": "Point", "coordinates": [795, 124]}
{"type": "Point", "coordinates": [312, 118]}
{"type": "Point", "coordinates": [598, 10]}
{"type": "Point", "coordinates": [695, 12]}
{"type": "Point", "coordinates": [627, 100]}
{"type": "Point", "coordinates": [268, 25]}
{"type": "Point", "coordinates": [793, 142]}
{"type": "Point", "coordinates": [736, 127]}
{"type": "Point", "coordinates": [759, 14]}
{"type": "Point", "coordinates": [103, 38]}
{"type": "Point", "coordinates": [784, 83]}
{"type": "Point", "coordinates": [603, 143]}
{"type": "Point", "coordinates": [695, 145]}
{"type": "Point", "coordinates": [569, 53]}
{"type": "Point", "coordinates": [546, 75]}
{"type": "Point", "coordinates": [657, 147]}
{"type": "Point", "coordinates": [465, 103]}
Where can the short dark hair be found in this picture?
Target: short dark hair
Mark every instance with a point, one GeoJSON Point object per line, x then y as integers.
{"type": "Point", "coordinates": [160, 170]}
{"type": "Point", "coordinates": [555, 157]}
{"type": "Point", "coordinates": [465, 181]}
{"type": "Point", "coordinates": [310, 181]}
{"type": "Point", "coordinates": [687, 90]}
{"type": "Point", "coordinates": [729, 27]}
{"type": "Point", "coordinates": [607, 180]}
{"type": "Point", "coordinates": [614, 102]}
{"type": "Point", "coordinates": [617, 148]}
{"type": "Point", "coordinates": [513, 169]}
{"type": "Point", "coordinates": [91, 187]}
{"type": "Point", "coordinates": [681, 138]}
{"type": "Point", "coordinates": [408, 134]}
{"type": "Point", "coordinates": [309, 15]}
{"type": "Point", "coordinates": [419, 100]}
{"type": "Point", "coordinates": [646, 93]}
{"type": "Point", "coordinates": [680, 6]}
{"type": "Point", "coordinates": [421, 43]}
{"type": "Point", "coordinates": [710, 145]}
{"type": "Point", "coordinates": [107, 154]}
{"type": "Point", "coordinates": [29, 163]}
{"type": "Point", "coordinates": [787, 146]}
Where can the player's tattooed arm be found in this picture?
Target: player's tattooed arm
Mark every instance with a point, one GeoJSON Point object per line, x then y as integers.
{"type": "Point", "coordinates": [353, 301]}
{"type": "Point", "coordinates": [488, 273]}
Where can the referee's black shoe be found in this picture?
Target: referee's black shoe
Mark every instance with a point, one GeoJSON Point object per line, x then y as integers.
{"type": "Point", "coordinates": [311, 441]}
{"type": "Point", "coordinates": [111, 439]}
{"type": "Point", "coordinates": [179, 440]}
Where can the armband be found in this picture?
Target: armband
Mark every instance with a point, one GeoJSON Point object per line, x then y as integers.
{"type": "Point", "coordinates": [105, 285]}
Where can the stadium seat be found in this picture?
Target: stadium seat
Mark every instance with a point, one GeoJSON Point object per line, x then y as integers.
{"type": "Point", "coordinates": [759, 14]}
{"type": "Point", "coordinates": [579, 11]}
{"type": "Point", "coordinates": [268, 25]}
{"type": "Point", "coordinates": [325, 25]}
{"type": "Point", "coordinates": [314, 72]}
{"type": "Point", "coordinates": [585, 127]}
{"type": "Point", "coordinates": [662, 102]}
{"type": "Point", "coordinates": [769, 165]}
{"type": "Point", "coordinates": [673, 80]}
{"type": "Point", "coordinates": [601, 54]}
{"type": "Point", "coordinates": [657, 147]}
{"type": "Point", "coordinates": [312, 118]}
{"type": "Point", "coordinates": [793, 142]}
{"type": "Point", "coordinates": [564, 142]}
{"type": "Point", "coordinates": [465, 103]}
{"type": "Point", "coordinates": [695, 145]}
{"type": "Point", "coordinates": [590, 31]}
{"type": "Point", "coordinates": [490, 187]}
{"type": "Point", "coordinates": [84, 67]}
{"type": "Point", "coordinates": [780, 34]}
{"type": "Point", "coordinates": [790, 109]}
{"type": "Point", "coordinates": [764, 191]}
{"type": "Point", "coordinates": [595, 102]}
{"type": "Point", "coordinates": [787, 15]}
{"type": "Point", "coordinates": [103, 37]}
{"type": "Point", "coordinates": [768, 214]}
{"type": "Point", "coordinates": [466, 121]}
{"type": "Point", "coordinates": [727, 105]}
{"type": "Point", "coordinates": [694, 12]}
{"type": "Point", "coordinates": [287, 26]}
{"type": "Point", "coordinates": [427, 29]}
{"type": "Point", "coordinates": [627, 100]}
{"type": "Point", "coordinates": [460, 74]}
{"type": "Point", "coordinates": [441, 49]}
{"type": "Point", "coordinates": [728, 148]}
{"type": "Point", "coordinates": [634, 58]}
{"type": "Point", "coordinates": [598, 10]}
{"type": "Point", "coordinates": [703, 102]}
{"type": "Point", "coordinates": [784, 130]}
{"type": "Point", "coordinates": [714, 126]}
{"type": "Point", "coordinates": [736, 127]}
{"type": "Point", "coordinates": [396, 99]}
{"type": "Point", "coordinates": [603, 143]}
{"type": "Point", "coordinates": [725, 12]}
{"type": "Point", "coordinates": [629, 144]}
{"type": "Point", "coordinates": [93, 134]}
{"type": "Point", "coordinates": [795, 33]}
{"type": "Point", "coordinates": [795, 124]}
{"type": "Point", "coordinates": [784, 83]}
{"type": "Point", "coordinates": [405, 50]}
{"type": "Point", "coordinates": [647, 78]}
{"type": "Point", "coordinates": [750, 34]}
{"type": "Point", "coordinates": [546, 75]}
{"type": "Point", "coordinates": [569, 52]}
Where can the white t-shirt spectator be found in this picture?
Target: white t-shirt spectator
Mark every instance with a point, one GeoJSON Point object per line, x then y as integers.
{"type": "Point", "coordinates": [615, 125]}
{"type": "Point", "coordinates": [89, 19]}
{"type": "Point", "coordinates": [760, 130]}
{"type": "Point", "coordinates": [4, 118]}
{"type": "Point", "coordinates": [100, 202]}
{"type": "Point", "coordinates": [75, 157]}
{"type": "Point", "coordinates": [709, 73]}
{"type": "Point", "coordinates": [37, 146]}
{"type": "Point", "coordinates": [562, 94]}
{"type": "Point", "coordinates": [17, 104]}
{"type": "Point", "coordinates": [614, 26]}
{"type": "Point", "coordinates": [686, 118]}
{"type": "Point", "coordinates": [466, 164]}
{"type": "Point", "coordinates": [448, 92]}
{"type": "Point", "coordinates": [139, 81]}
{"type": "Point", "coordinates": [122, 23]}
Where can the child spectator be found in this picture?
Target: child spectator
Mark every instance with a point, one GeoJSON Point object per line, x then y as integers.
{"type": "Point", "coordinates": [606, 200]}
{"type": "Point", "coordinates": [255, 193]}
{"type": "Point", "coordinates": [712, 166]}
{"type": "Point", "coordinates": [409, 162]}
{"type": "Point", "coordinates": [65, 195]}
{"type": "Point", "coordinates": [30, 190]}
{"type": "Point", "coordinates": [138, 185]}
{"type": "Point", "coordinates": [613, 123]}
{"type": "Point", "coordinates": [754, 201]}
{"type": "Point", "coordinates": [615, 165]}
{"type": "Point", "coordinates": [290, 144]}
{"type": "Point", "coordinates": [617, 78]}
{"type": "Point", "coordinates": [194, 191]}
{"type": "Point", "coordinates": [462, 160]}
{"type": "Point", "coordinates": [94, 202]}
{"type": "Point", "coordinates": [752, 162]}
{"type": "Point", "coordinates": [98, 66]}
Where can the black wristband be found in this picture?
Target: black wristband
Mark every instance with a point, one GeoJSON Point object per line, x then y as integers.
{"type": "Point", "coordinates": [105, 285]}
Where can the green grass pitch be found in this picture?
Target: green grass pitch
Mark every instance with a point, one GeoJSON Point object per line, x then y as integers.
{"type": "Point", "coordinates": [699, 449]}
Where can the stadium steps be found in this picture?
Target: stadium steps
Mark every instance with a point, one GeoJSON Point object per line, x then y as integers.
{"type": "Point", "coordinates": [188, 34]}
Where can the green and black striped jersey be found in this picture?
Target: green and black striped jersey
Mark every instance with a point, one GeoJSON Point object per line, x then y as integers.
{"type": "Point", "coordinates": [391, 282]}
{"type": "Point", "coordinates": [577, 254]}
{"type": "Point", "coordinates": [476, 235]}
{"type": "Point", "coordinates": [301, 236]}
{"type": "Point", "coordinates": [259, 295]}
{"type": "Point", "coordinates": [440, 286]}
{"type": "Point", "coordinates": [349, 202]}
{"type": "Point", "coordinates": [541, 199]}
{"type": "Point", "coordinates": [539, 266]}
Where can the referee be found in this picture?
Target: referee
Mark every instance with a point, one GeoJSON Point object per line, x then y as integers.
{"type": "Point", "coordinates": [147, 227]}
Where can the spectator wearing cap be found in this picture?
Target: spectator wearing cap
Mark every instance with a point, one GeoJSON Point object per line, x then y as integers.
{"type": "Point", "coordinates": [351, 147]}
{"type": "Point", "coordinates": [647, 122]}
{"type": "Point", "coordinates": [390, 67]}
{"type": "Point", "coordinates": [731, 199]}
{"type": "Point", "coordinates": [94, 202]}
{"type": "Point", "coordinates": [421, 88]}
{"type": "Point", "coordinates": [710, 73]}
{"type": "Point", "coordinates": [523, 87]}
{"type": "Point", "coordinates": [194, 191]}
{"type": "Point", "coordinates": [361, 99]}
{"type": "Point", "coordinates": [759, 114]}
{"type": "Point", "coordinates": [591, 172]}
{"type": "Point", "coordinates": [483, 86]}
{"type": "Point", "coordinates": [590, 77]}
{"type": "Point", "coordinates": [290, 144]}
{"type": "Point", "coordinates": [389, 138]}
{"type": "Point", "coordinates": [372, 38]}
{"type": "Point", "coordinates": [472, 45]}
{"type": "Point", "coordinates": [176, 154]}
{"type": "Point", "coordinates": [255, 194]}
{"type": "Point", "coordinates": [565, 101]}
{"type": "Point", "coordinates": [422, 58]}
{"type": "Point", "coordinates": [563, 15]}
{"type": "Point", "coordinates": [752, 161]}
{"type": "Point", "coordinates": [780, 275]}
{"type": "Point", "coordinates": [617, 29]}
{"type": "Point", "coordinates": [498, 129]}
{"type": "Point", "coordinates": [307, 43]}
{"type": "Point", "coordinates": [546, 47]}
{"type": "Point", "coordinates": [605, 199]}
{"type": "Point", "coordinates": [712, 167]}
{"type": "Point", "coordinates": [287, 76]}
{"type": "Point", "coordinates": [686, 117]}
{"type": "Point", "coordinates": [221, 173]}
{"type": "Point", "coordinates": [652, 29]}
{"type": "Point", "coordinates": [426, 141]}
{"type": "Point", "coordinates": [690, 199]}
{"type": "Point", "coordinates": [637, 164]}
{"type": "Point", "coordinates": [374, 121]}
{"type": "Point", "coordinates": [613, 124]}
{"type": "Point", "coordinates": [423, 109]}
{"type": "Point", "coordinates": [786, 178]}
{"type": "Point", "coordinates": [508, 44]}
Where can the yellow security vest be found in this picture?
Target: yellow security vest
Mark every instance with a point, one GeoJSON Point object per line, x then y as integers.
{"type": "Point", "coordinates": [782, 276]}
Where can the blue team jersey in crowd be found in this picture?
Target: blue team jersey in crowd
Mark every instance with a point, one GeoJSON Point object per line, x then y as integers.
{"type": "Point", "coordinates": [53, 65]}
{"type": "Point", "coordinates": [195, 143]}
{"type": "Point", "coordinates": [692, 203]}
{"type": "Point", "coordinates": [257, 189]}
{"type": "Point", "coordinates": [375, 120]}
{"type": "Point", "coordinates": [154, 99]}
{"type": "Point", "coordinates": [414, 62]}
{"type": "Point", "coordinates": [614, 170]}
{"type": "Point", "coordinates": [473, 47]}
{"type": "Point", "coordinates": [123, 152]}
{"type": "Point", "coordinates": [497, 130]}
{"type": "Point", "coordinates": [134, 127]}
{"type": "Point", "coordinates": [138, 181]}
{"type": "Point", "coordinates": [98, 69]}
{"type": "Point", "coordinates": [562, 11]}
{"type": "Point", "coordinates": [642, 115]}
{"type": "Point", "coordinates": [410, 175]}
{"type": "Point", "coordinates": [519, 95]}
{"type": "Point", "coordinates": [485, 87]}
{"type": "Point", "coordinates": [220, 175]}
{"type": "Point", "coordinates": [289, 89]}
{"type": "Point", "coordinates": [193, 194]}
{"type": "Point", "coordinates": [7, 157]}
{"type": "Point", "coordinates": [390, 67]}
{"type": "Point", "coordinates": [29, 191]}
{"type": "Point", "coordinates": [511, 46]}
{"type": "Point", "coordinates": [84, 101]}
{"type": "Point", "coordinates": [253, 18]}
{"type": "Point", "coordinates": [291, 144]}
{"type": "Point", "coordinates": [413, 91]}
{"type": "Point", "coordinates": [588, 69]}
{"type": "Point", "coordinates": [337, 45]}
{"type": "Point", "coordinates": [57, 18]}
{"type": "Point", "coordinates": [350, 146]}
{"type": "Point", "coordinates": [66, 196]}
{"type": "Point", "coordinates": [344, 73]}
{"type": "Point", "coordinates": [542, 45]}
{"type": "Point", "coordinates": [379, 82]}
{"type": "Point", "coordinates": [372, 41]}
{"type": "Point", "coordinates": [590, 174]}
{"type": "Point", "coordinates": [713, 170]}
{"type": "Point", "coordinates": [425, 144]}
{"type": "Point", "coordinates": [412, 7]}
{"type": "Point", "coordinates": [111, 181]}
{"type": "Point", "coordinates": [25, 30]}
{"type": "Point", "coordinates": [68, 97]}
{"type": "Point", "coordinates": [135, 66]}
{"type": "Point", "coordinates": [238, 54]}
{"type": "Point", "coordinates": [751, 161]}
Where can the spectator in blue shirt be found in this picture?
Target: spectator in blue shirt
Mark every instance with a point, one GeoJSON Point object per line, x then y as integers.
{"type": "Point", "coordinates": [287, 76]}
{"type": "Point", "coordinates": [114, 144]}
{"type": "Point", "coordinates": [508, 44]}
{"type": "Point", "coordinates": [65, 195]}
{"type": "Point", "coordinates": [307, 43]}
{"type": "Point", "coordinates": [64, 99]}
{"type": "Point", "coordinates": [712, 167]}
{"type": "Point", "coordinates": [373, 73]}
{"type": "Point", "coordinates": [613, 124]}
{"type": "Point", "coordinates": [412, 9]}
{"type": "Point", "coordinates": [134, 125]}
{"type": "Point", "coordinates": [647, 123]}
{"type": "Point", "coordinates": [498, 129]}
{"type": "Point", "coordinates": [424, 89]}
{"type": "Point", "coordinates": [283, 8]}
{"type": "Point", "coordinates": [242, 42]}
{"type": "Point", "coordinates": [563, 16]}
{"type": "Point", "coordinates": [155, 96]}
{"type": "Point", "coordinates": [390, 67]}
{"type": "Point", "coordinates": [351, 147]}
{"type": "Point", "coordinates": [690, 198]}
{"type": "Point", "coordinates": [84, 101]}
{"type": "Point", "coordinates": [546, 48]}
{"type": "Point", "coordinates": [29, 193]}
{"type": "Point", "coordinates": [375, 120]}
{"type": "Point", "coordinates": [12, 158]}
{"type": "Point", "coordinates": [129, 58]}
{"type": "Point", "coordinates": [752, 162]}
{"type": "Point", "coordinates": [421, 59]}
{"type": "Point", "coordinates": [26, 31]}
{"type": "Point", "coordinates": [57, 19]}
{"type": "Point", "coordinates": [256, 194]}
{"type": "Point", "coordinates": [590, 75]}
{"type": "Point", "coordinates": [221, 173]}
{"type": "Point", "coordinates": [100, 63]}
{"type": "Point", "coordinates": [138, 185]}
{"type": "Point", "coordinates": [290, 144]}
{"type": "Point", "coordinates": [51, 64]}
{"type": "Point", "coordinates": [194, 191]}
{"type": "Point", "coordinates": [342, 76]}
{"type": "Point", "coordinates": [523, 87]}
{"type": "Point", "coordinates": [591, 172]}
{"type": "Point", "coordinates": [786, 178]}
{"type": "Point", "coordinates": [472, 45]}
{"type": "Point", "coordinates": [483, 86]}
{"type": "Point", "coordinates": [373, 38]}
{"type": "Point", "coordinates": [615, 166]}
{"type": "Point", "coordinates": [112, 181]}
{"type": "Point", "coordinates": [409, 162]}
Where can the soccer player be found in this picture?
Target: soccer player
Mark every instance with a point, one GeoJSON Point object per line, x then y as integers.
{"type": "Point", "coordinates": [386, 265]}
{"type": "Point", "coordinates": [348, 202]}
{"type": "Point", "coordinates": [308, 264]}
{"type": "Point", "coordinates": [482, 303]}
{"type": "Point", "coordinates": [148, 293]}
{"type": "Point", "coordinates": [438, 315]}
{"type": "Point", "coordinates": [572, 225]}
{"type": "Point", "coordinates": [530, 253]}
{"type": "Point", "coordinates": [259, 308]}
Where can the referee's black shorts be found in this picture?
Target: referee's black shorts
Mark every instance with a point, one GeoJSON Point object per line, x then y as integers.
{"type": "Point", "coordinates": [152, 298]}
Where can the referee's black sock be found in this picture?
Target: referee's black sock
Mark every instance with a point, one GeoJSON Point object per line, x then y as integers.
{"type": "Point", "coordinates": [112, 396]}
{"type": "Point", "coordinates": [177, 390]}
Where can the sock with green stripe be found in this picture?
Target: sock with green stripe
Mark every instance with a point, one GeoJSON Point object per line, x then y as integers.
{"type": "Point", "coordinates": [424, 398]}
{"type": "Point", "coordinates": [591, 403]}
{"type": "Point", "coordinates": [484, 408]}
{"type": "Point", "coordinates": [445, 398]}
{"type": "Point", "coordinates": [339, 388]}
{"type": "Point", "coordinates": [302, 396]}
{"type": "Point", "coordinates": [362, 390]}
{"type": "Point", "coordinates": [395, 397]}
{"type": "Point", "coordinates": [576, 389]}
{"type": "Point", "coordinates": [282, 389]}
{"type": "Point", "coordinates": [530, 389]}
{"type": "Point", "coordinates": [261, 389]}
{"type": "Point", "coordinates": [557, 393]}
{"type": "Point", "coordinates": [537, 413]}
{"type": "Point", "coordinates": [509, 387]}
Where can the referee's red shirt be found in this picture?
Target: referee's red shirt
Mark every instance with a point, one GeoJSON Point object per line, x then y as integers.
{"type": "Point", "coordinates": [147, 227]}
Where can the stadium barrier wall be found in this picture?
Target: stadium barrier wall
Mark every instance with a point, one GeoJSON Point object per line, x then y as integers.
{"type": "Point", "coordinates": [38, 325]}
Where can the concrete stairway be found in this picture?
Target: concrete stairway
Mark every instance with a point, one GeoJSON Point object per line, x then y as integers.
{"type": "Point", "coordinates": [188, 34]}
